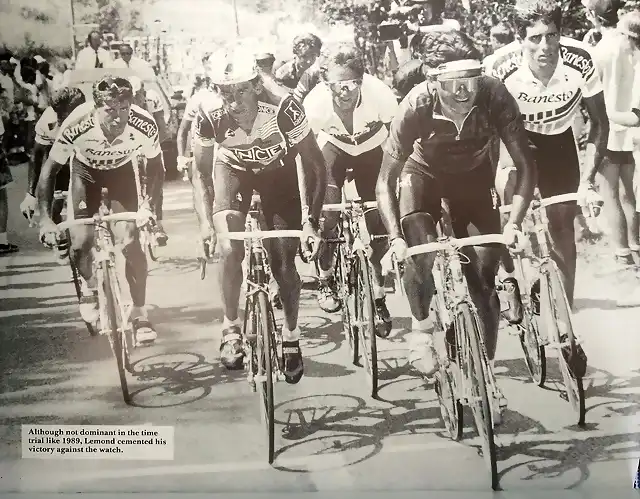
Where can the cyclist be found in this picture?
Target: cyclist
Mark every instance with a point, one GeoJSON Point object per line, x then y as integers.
{"type": "Point", "coordinates": [150, 101]}
{"type": "Point", "coordinates": [64, 101]}
{"type": "Point", "coordinates": [258, 132]}
{"type": "Point", "coordinates": [306, 49]}
{"type": "Point", "coordinates": [439, 147]}
{"type": "Point", "coordinates": [102, 140]}
{"type": "Point", "coordinates": [350, 112]}
{"type": "Point", "coordinates": [549, 75]}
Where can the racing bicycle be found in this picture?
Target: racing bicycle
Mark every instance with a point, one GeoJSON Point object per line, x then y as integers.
{"type": "Point", "coordinates": [546, 307]}
{"type": "Point", "coordinates": [465, 377]}
{"type": "Point", "coordinates": [113, 314]}
{"type": "Point", "coordinates": [262, 340]}
{"type": "Point", "coordinates": [354, 279]}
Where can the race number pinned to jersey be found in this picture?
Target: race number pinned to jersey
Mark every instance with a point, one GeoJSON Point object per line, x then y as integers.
{"type": "Point", "coordinates": [295, 112]}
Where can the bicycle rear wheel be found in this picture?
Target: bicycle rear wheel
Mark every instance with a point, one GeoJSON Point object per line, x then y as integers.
{"type": "Point", "coordinates": [469, 330]}
{"type": "Point", "coordinates": [562, 333]}
{"type": "Point", "coordinates": [116, 328]}
{"type": "Point", "coordinates": [265, 356]}
{"type": "Point", "coordinates": [365, 320]}
{"type": "Point", "coordinates": [346, 297]}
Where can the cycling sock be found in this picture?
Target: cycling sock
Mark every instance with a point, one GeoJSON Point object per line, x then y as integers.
{"type": "Point", "coordinates": [634, 247]}
{"type": "Point", "coordinates": [378, 292]}
{"type": "Point", "coordinates": [623, 252]}
{"type": "Point", "coordinates": [227, 323]}
{"type": "Point", "coordinates": [3, 238]}
{"type": "Point", "coordinates": [418, 325]}
{"type": "Point", "coordinates": [492, 363]}
{"type": "Point", "coordinates": [325, 275]}
{"type": "Point", "coordinates": [290, 335]}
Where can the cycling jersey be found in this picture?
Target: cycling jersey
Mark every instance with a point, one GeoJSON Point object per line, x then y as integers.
{"type": "Point", "coordinates": [80, 134]}
{"type": "Point", "coordinates": [47, 127]}
{"type": "Point", "coordinates": [420, 130]}
{"type": "Point", "coordinates": [279, 125]}
{"type": "Point", "coordinates": [308, 81]}
{"type": "Point", "coordinates": [550, 109]}
{"type": "Point", "coordinates": [376, 107]}
{"type": "Point", "coordinates": [153, 101]}
{"type": "Point", "coordinates": [408, 76]}
{"type": "Point", "coordinates": [191, 109]}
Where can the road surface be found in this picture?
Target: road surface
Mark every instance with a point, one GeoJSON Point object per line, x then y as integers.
{"type": "Point", "coordinates": [330, 435]}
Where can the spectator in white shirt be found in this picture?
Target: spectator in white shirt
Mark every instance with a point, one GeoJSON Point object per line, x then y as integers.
{"type": "Point", "coordinates": [128, 60]}
{"type": "Point", "coordinates": [93, 55]}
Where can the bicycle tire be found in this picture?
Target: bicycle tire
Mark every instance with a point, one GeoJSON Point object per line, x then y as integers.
{"type": "Point", "coordinates": [75, 278]}
{"type": "Point", "coordinates": [557, 296]}
{"type": "Point", "coordinates": [347, 307]}
{"type": "Point", "coordinates": [469, 330]}
{"type": "Point", "coordinates": [266, 347]}
{"type": "Point", "coordinates": [116, 335]}
{"type": "Point", "coordinates": [450, 406]}
{"type": "Point", "coordinates": [534, 352]}
{"type": "Point", "coordinates": [365, 310]}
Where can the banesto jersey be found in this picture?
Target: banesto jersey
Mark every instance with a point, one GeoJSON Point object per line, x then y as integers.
{"type": "Point", "coordinates": [547, 109]}
{"type": "Point", "coordinates": [81, 135]}
{"type": "Point", "coordinates": [280, 125]}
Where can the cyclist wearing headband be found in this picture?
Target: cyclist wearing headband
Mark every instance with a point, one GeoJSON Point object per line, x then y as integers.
{"type": "Point", "coordinates": [439, 147]}
{"type": "Point", "coordinates": [258, 131]}
{"type": "Point", "coordinates": [350, 112]}
{"type": "Point", "coordinates": [102, 139]}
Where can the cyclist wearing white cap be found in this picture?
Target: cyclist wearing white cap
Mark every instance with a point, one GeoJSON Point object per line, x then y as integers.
{"type": "Point", "coordinates": [101, 139]}
{"type": "Point", "coordinates": [440, 147]}
{"type": "Point", "coordinates": [258, 132]}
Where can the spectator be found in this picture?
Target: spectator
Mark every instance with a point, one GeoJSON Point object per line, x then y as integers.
{"type": "Point", "coordinates": [617, 55]}
{"type": "Point", "coordinates": [5, 179]}
{"type": "Point", "coordinates": [8, 94]}
{"type": "Point", "coordinates": [265, 62]}
{"type": "Point", "coordinates": [128, 60]}
{"type": "Point", "coordinates": [93, 55]}
{"type": "Point", "coordinates": [26, 100]}
{"type": "Point", "coordinates": [603, 15]}
{"type": "Point", "coordinates": [306, 49]}
{"type": "Point", "coordinates": [501, 34]}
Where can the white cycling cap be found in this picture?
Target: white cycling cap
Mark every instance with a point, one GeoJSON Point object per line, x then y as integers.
{"type": "Point", "coordinates": [232, 66]}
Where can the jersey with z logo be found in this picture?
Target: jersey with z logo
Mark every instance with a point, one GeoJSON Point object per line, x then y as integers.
{"type": "Point", "coordinates": [279, 126]}
{"type": "Point", "coordinates": [82, 136]}
{"type": "Point", "coordinates": [547, 109]}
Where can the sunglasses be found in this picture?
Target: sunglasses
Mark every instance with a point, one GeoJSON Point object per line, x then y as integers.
{"type": "Point", "coordinates": [116, 84]}
{"type": "Point", "coordinates": [452, 85]}
{"type": "Point", "coordinates": [344, 85]}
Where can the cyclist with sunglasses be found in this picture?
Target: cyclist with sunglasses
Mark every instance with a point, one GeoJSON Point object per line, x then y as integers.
{"type": "Point", "coordinates": [259, 129]}
{"type": "Point", "coordinates": [350, 112]}
{"type": "Point", "coordinates": [101, 140]}
{"type": "Point", "coordinates": [440, 147]}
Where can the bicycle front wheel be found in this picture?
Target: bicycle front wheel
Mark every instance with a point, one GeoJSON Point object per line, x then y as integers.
{"type": "Point", "coordinates": [365, 320]}
{"type": "Point", "coordinates": [266, 355]}
{"type": "Point", "coordinates": [346, 298]}
{"type": "Point", "coordinates": [561, 332]}
{"type": "Point", "coordinates": [534, 353]}
{"type": "Point", "coordinates": [469, 330]}
{"type": "Point", "coordinates": [116, 328]}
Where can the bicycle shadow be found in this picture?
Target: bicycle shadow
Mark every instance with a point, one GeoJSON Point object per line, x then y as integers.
{"type": "Point", "coordinates": [321, 336]}
{"type": "Point", "coordinates": [177, 379]}
{"type": "Point", "coordinates": [172, 266]}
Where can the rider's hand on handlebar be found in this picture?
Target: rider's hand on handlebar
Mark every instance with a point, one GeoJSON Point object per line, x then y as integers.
{"type": "Point", "coordinates": [28, 206]}
{"type": "Point", "coordinates": [310, 241]}
{"type": "Point", "coordinates": [49, 233]}
{"type": "Point", "coordinates": [397, 250]}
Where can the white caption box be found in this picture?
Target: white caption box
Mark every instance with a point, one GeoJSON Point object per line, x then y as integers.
{"type": "Point", "coordinates": [153, 443]}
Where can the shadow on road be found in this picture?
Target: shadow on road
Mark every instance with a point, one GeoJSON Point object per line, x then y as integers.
{"type": "Point", "coordinates": [177, 379]}
{"type": "Point", "coordinates": [591, 303]}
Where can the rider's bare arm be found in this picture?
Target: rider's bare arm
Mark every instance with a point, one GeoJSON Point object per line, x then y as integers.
{"type": "Point", "coordinates": [510, 125]}
{"type": "Point", "coordinates": [158, 116]}
{"type": "Point", "coordinates": [35, 167]}
{"type": "Point", "coordinates": [183, 135]}
{"type": "Point", "coordinates": [625, 118]}
{"type": "Point", "coordinates": [45, 187]}
{"type": "Point", "coordinates": [154, 164]}
{"type": "Point", "coordinates": [203, 184]}
{"type": "Point", "coordinates": [598, 136]}
{"type": "Point", "coordinates": [403, 132]}
{"type": "Point", "coordinates": [315, 174]}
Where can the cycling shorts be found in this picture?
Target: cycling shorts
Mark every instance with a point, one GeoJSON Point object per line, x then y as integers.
{"type": "Point", "coordinates": [470, 196]}
{"type": "Point", "coordinates": [557, 161]}
{"type": "Point", "coordinates": [278, 189]}
{"type": "Point", "coordinates": [87, 184]}
{"type": "Point", "coordinates": [365, 169]}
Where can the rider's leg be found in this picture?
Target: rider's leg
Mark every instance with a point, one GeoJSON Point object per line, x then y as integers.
{"type": "Point", "coordinates": [279, 195]}
{"type": "Point", "coordinates": [229, 215]}
{"type": "Point", "coordinates": [419, 203]}
{"type": "Point", "coordinates": [613, 207]}
{"type": "Point", "coordinates": [158, 174]}
{"type": "Point", "coordinates": [337, 163]}
{"type": "Point", "coordinates": [628, 200]}
{"type": "Point", "coordinates": [123, 192]}
{"type": "Point", "coordinates": [365, 174]}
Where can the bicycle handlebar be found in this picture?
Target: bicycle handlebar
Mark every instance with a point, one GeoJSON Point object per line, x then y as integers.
{"type": "Point", "coordinates": [127, 216]}
{"type": "Point", "coordinates": [259, 234]}
{"type": "Point", "coordinates": [367, 205]}
{"type": "Point", "coordinates": [454, 244]}
{"type": "Point", "coordinates": [543, 203]}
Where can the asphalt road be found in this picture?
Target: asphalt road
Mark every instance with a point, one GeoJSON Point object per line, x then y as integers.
{"type": "Point", "coordinates": [330, 435]}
